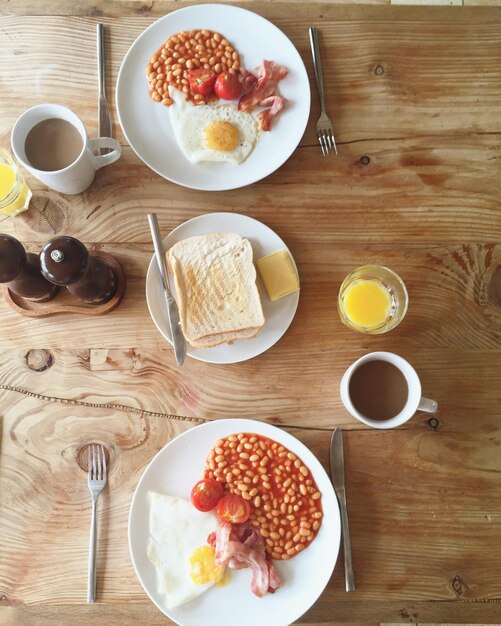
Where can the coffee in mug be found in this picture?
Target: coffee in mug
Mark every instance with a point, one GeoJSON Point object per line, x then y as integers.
{"type": "Point", "coordinates": [52, 143]}
{"type": "Point", "coordinates": [378, 390]}
{"type": "Point", "coordinates": [383, 390]}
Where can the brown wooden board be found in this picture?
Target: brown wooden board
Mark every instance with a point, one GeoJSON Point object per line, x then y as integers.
{"type": "Point", "coordinates": [64, 302]}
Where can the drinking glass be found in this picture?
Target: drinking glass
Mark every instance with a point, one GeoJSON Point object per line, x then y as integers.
{"type": "Point", "coordinates": [393, 290]}
{"type": "Point", "coordinates": [15, 195]}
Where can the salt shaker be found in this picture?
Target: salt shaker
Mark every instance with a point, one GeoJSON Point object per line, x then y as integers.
{"type": "Point", "coordinates": [66, 261]}
{"type": "Point", "coordinates": [21, 271]}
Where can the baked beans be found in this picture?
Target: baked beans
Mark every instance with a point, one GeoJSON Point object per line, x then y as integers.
{"type": "Point", "coordinates": [185, 51]}
{"type": "Point", "coordinates": [285, 502]}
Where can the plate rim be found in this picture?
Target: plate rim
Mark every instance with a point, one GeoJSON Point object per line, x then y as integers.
{"type": "Point", "coordinates": [202, 217]}
{"type": "Point", "coordinates": [223, 187]}
{"type": "Point", "coordinates": [252, 423]}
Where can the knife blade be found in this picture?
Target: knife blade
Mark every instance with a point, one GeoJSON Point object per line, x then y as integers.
{"type": "Point", "coordinates": [103, 114]}
{"type": "Point", "coordinates": [178, 340]}
{"type": "Point", "coordinates": [336, 459]}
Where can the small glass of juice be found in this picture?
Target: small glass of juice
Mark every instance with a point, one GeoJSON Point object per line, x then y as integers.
{"type": "Point", "coordinates": [372, 299]}
{"type": "Point", "coordinates": [15, 195]}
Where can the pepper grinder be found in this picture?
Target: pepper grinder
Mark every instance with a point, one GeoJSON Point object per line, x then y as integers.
{"type": "Point", "coordinates": [66, 261]}
{"type": "Point", "coordinates": [21, 270]}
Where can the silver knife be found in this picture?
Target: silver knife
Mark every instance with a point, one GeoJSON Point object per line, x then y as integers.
{"type": "Point", "coordinates": [337, 475]}
{"type": "Point", "coordinates": [103, 115]}
{"type": "Point", "coordinates": [176, 332]}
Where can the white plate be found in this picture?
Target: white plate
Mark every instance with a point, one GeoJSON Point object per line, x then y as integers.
{"type": "Point", "coordinates": [146, 123]}
{"type": "Point", "coordinates": [174, 471]}
{"type": "Point", "coordinates": [278, 314]}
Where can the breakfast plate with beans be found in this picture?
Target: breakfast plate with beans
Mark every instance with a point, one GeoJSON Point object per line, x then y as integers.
{"type": "Point", "coordinates": [291, 504]}
{"type": "Point", "coordinates": [213, 97]}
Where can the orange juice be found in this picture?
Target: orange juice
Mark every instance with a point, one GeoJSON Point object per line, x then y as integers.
{"type": "Point", "coordinates": [7, 180]}
{"type": "Point", "coordinates": [15, 194]}
{"type": "Point", "coordinates": [367, 303]}
{"type": "Point", "coordinates": [372, 299]}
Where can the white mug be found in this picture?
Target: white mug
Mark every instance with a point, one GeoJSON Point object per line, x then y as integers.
{"type": "Point", "coordinates": [77, 176]}
{"type": "Point", "coordinates": [415, 401]}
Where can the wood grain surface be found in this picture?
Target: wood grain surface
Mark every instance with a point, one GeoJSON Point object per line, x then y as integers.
{"type": "Point", "coordinates": [415, 95]}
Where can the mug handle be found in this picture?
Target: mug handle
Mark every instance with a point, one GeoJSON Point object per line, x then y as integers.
{"type": "Point", "coordinates": [427, 405]}
{"type": "Point", "coordinates": [100, 160]}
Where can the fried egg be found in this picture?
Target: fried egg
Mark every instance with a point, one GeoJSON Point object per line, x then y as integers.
{"type": "Point", "coordinates": [208, 132]}
{"type": "Point", "coordinates": [178, 549]}
{"type": "Point", "coordinates": [204, 568]}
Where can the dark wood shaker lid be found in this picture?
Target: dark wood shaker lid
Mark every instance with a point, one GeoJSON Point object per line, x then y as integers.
{"type": "Point", "coordinates": [12, 258]}
{"type": "Point", "coordinates": [64, 260]}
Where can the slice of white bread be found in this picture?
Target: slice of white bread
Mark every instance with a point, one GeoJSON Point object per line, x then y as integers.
{"type": "Point", "coordinates": [216, 288]}
{"type": "Point", "coordinates": [209, 341]}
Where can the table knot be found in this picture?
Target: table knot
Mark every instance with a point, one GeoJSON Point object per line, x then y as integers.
{"type": "Point", "coordinates": [459, 586]}
{"type": "Point", "coordinates": [83, 455]}
{"type": "Point", "coordinates": [433, 423]}
{"type": "Point", "coordinates": [39, 360]}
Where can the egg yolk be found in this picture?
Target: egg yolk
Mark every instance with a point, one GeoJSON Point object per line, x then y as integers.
{"type": "Point", "coordinates": [226, 579]}
{"type": "Point", "coordinates": [222, 136]}
{"type": "Point", "coordinates": [204, 568]}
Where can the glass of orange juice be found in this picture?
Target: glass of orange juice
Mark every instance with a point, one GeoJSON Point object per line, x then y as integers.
{"type": "Point", "coordinates": [372, 299]}
{"type": "Point", "coordinates": [15, 195]}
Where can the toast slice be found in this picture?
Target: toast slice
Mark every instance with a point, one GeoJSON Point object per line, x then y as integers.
{"type": "Point", "coordinates": [215, 282]}
{"type": "Point", "coordinates": [209, 341]}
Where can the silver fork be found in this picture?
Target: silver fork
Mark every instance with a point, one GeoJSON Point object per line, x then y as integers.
{"type": "Point", "coordinates": [325, 132]}
{"type": "Point", "coordinates": [97, 482]}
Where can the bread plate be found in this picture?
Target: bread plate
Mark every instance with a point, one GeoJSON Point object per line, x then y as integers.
{"type": "Point", "coordinates": [174, 471]}
{"type": "Point", "coordinates": [147, 126]}
{"type": "Point", "coordinates": [278, 314]}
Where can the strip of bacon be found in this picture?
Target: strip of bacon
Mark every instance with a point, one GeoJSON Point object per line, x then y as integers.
{"type": "Point", "coordinates": [241, 546]}
{"type": "Point", "coordinates": [248, 536]}
{"type": "Point", "coordinates": [247, 80]}
{"type": "Point", "coordinates": [223, 533]}
{"type": "Point", "coordinates": [270, 74]}
{"type": "Point", "coordinates": [265, 117]}
{"type": "Point", "coordinates": [275, 582]}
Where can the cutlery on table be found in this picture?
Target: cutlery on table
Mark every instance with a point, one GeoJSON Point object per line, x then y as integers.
{"type": "Point", "coordinates": [176, 332]}
{"type": "Point", "coordinates": [103, 115]}
{"type": "Point", "coordinates": [325, 131]}
{"type": "Point", "coordinates": [337, 475]}
{"type": "Point", "coordinates": [97, 482]}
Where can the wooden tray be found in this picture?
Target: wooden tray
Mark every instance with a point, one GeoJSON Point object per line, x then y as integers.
{"type": "Point", "coordinates": [64, 302]}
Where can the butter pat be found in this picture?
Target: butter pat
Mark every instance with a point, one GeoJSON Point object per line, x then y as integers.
{"type": "Point", "coordinates": [278, 274]}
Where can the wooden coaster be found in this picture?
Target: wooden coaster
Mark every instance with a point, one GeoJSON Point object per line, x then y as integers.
{"type": "Point", "coordinates": [64, 302]}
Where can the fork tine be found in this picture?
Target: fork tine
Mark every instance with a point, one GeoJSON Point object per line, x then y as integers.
{"type": "Point", "coordinates": [89, 461]}
{"type": "Point", "coordinates": [94, 468]}
{"type": "Point", "coordinates": [104, 462]}
{"type": "Point", "coordinates": [332, 141]}
{"type": "Point", "coordinates": [99, 463]}
{"type": "Point", "coordinates": [328, 139]}
{"type": "Point", "coordinates": [320, 141]}
{"type": "Point", "coordinates": [326, 142]}
{"type": "Point", "coordinates": [326, 145]}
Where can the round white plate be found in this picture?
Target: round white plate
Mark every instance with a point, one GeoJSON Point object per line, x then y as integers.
{"type": "Point", "coordinates": [174, 471]}
{"type": "Point", "coordinates": [278, 314]}
{"type": "Point", "coordinates": [146, 124]}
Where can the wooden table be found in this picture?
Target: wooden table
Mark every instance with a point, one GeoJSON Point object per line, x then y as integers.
{"type": "Point", "coordinates": [415, 94]}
